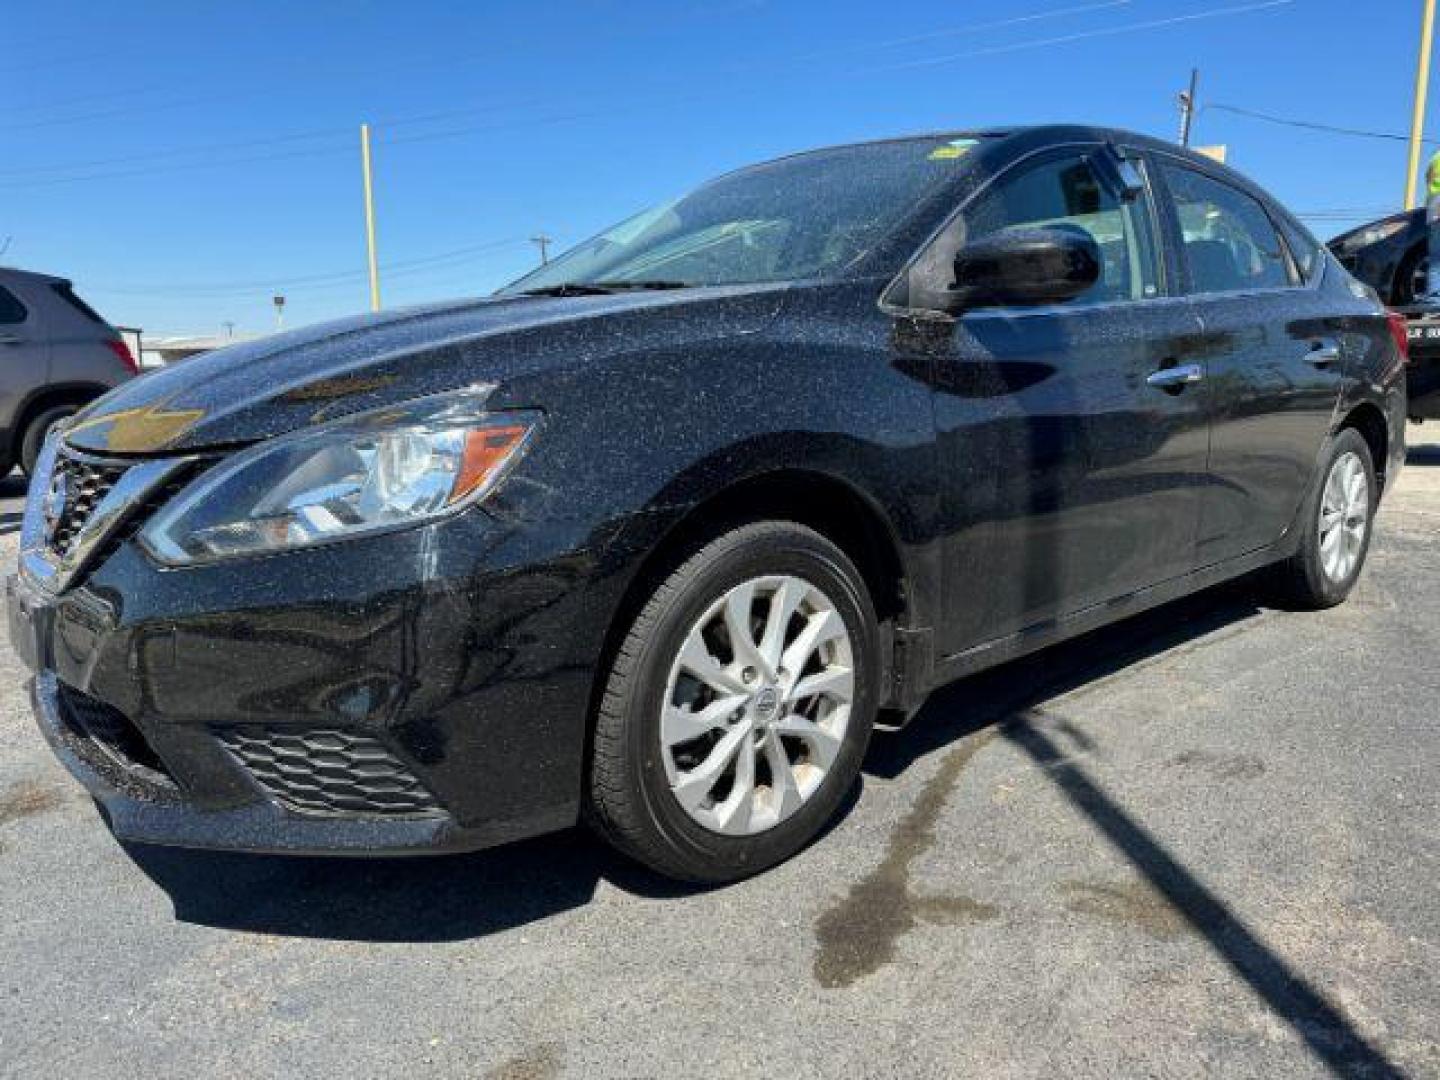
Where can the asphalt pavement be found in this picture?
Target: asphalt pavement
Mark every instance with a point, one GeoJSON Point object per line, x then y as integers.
{"type": "Point", "coordinates": [1206, 841]}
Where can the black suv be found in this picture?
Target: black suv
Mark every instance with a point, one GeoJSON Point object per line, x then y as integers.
{"type": "Point", "coordinates": [658, 533]}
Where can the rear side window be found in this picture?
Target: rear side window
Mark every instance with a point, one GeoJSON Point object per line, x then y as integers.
{"type": "Point", "coordinates": [11, 310]}
{"type": "Point", "coordinates": [66, 293]}
{"type": "Point", "coordinates": [1230, 243]}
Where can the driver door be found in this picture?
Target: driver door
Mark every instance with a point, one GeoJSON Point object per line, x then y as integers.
{"type": "Point", "coordinates": [1070, 478]}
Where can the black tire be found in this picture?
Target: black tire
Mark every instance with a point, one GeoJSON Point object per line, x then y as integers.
{"type": "Point", "coordinates": [1301, 580]}
{"type": "Point", "coordinates": [630, 802]}
{"type": "Point", "coordinates": [35, 433]}
{"type": "Point", "coordinates": [1403, 289]}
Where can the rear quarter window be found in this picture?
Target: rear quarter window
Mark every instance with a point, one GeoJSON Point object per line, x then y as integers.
{"type": "Point", "coordinates": [11, 309]}
{"type": "Point", "coordinates": [66, 293]}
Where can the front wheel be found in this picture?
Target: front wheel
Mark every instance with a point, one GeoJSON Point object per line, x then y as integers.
{"type": "Point", "coordinates": [1338, 523]}
{"type": "Point", "coordinates": [739, 706]}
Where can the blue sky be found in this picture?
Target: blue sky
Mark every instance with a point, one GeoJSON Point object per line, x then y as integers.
{"type": "Point", "coordinates": [182, 162]}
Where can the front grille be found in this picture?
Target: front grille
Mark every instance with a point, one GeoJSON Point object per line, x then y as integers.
{"type": "Point", "coordinates": [112, 732]}
{"type": "Point", "coordinates": [86, 483]}
{"type": "Point", "coordinates": [328, 771]}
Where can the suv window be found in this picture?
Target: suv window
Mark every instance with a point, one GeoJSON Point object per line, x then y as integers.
{"type": "Point", "coordinates": [1064, 191]}
{"type": "Point", "coordinates": [11, 310]}
{"type": "Point", "coordinates": [1230, 243]}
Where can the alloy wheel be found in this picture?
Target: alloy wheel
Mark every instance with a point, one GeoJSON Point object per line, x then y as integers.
{"type": "Point", "coordinates": [757, 704]}
{"type": "Point", "coordinates": [1344, 517]}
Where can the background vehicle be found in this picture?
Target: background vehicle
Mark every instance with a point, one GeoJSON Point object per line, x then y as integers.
{"type": "Point", "coordinates": [1391, 256]}
{"type": "Point", "coordinates": [56, 356]}
{"type": "Point", "coordinates": [659, 532]}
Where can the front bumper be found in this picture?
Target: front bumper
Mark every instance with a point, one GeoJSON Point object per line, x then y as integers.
{"type": "Point", "coordinates": [419, 691]}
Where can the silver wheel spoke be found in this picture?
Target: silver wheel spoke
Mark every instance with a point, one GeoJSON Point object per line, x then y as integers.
{"type": "Point", "coordinates": [833, 681]}
{"type": "Point", "coordinates": [738, 606]}
{"type": "Point", "coordinates": [734, 814]}
{"type": "Point", "coordinates": [823, 626]}
{"type": "Point", "coordinates": [824, 747]}
{"type": "Point", "coordinates": [694, 786]}
{"type": "Point", "coordinates": [696, 659]}
{"type": "Point", "coordinates": [681, 725]}
{"type": "Point", "coordinates": [785, 795]}
{"type": "Point", "coordinates": [783, 605]}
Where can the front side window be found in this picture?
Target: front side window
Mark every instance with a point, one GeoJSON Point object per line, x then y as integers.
{"type": "Point", "coordinates": [1230, 243]}
{"type": "Point", "coordinates": [1061, 193]}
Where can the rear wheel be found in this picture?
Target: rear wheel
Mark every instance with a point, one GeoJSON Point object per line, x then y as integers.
{"type": "Point", "coordinates": [1338, 522]}
{"type": "Point", "coordinates": [39, 427]}
{"type": "Point", "coordinates": [738, 707]}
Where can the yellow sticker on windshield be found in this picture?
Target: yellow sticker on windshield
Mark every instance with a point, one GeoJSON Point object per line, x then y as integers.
{"type": "Point", "coordinates": [956, 148]}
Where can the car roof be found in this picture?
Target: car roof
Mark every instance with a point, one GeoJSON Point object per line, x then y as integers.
{"type": "Point", "coordinates": [14, 273]}
{"type": "Point", "coordinates": [1020, 139]}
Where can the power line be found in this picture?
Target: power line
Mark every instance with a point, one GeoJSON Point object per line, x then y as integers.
{"type": "Point", "coordinates": [1311, 125]}
{"type": "Point", "coordinates": [405, 267]}
{"type": "Point", "coordinates": [1086, 35]}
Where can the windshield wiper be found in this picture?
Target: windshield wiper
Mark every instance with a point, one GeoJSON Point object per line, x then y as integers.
{"type": "Point", "coordinates": [571, 288]}
{"type": "Point", "coordinates": [602, 288]}
{"type": "Point", "coordinates": [619, 285]}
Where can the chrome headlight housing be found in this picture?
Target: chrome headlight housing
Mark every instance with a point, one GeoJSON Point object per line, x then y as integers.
{"type": "Point", "coordinates": [378, 471]}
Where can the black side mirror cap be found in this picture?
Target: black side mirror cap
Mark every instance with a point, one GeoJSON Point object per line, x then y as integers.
{"type": "Point", "coordinates": [1025, 267]}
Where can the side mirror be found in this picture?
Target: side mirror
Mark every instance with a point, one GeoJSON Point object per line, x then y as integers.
{"type": "Point", "coordinates": [1023, 268]}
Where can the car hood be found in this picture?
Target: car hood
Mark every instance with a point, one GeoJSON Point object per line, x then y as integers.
{"type": "Point", "coordinates": [278, 384]}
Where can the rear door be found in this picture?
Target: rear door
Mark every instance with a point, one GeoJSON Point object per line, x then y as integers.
{"type": "Point", "coordinates": [1274, 367]}
{"type": "Point", "coordinates": [24, 350]}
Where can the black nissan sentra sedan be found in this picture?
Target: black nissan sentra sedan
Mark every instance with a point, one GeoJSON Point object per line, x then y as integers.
{"type": "Point", "coordinates": [655, 536]}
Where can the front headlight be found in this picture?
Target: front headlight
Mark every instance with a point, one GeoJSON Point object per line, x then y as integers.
{"type": "Point", "coordinates": [379, 471]}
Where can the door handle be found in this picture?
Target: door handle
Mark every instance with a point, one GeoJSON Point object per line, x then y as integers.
{"type": "Point", "coordinates": [1324, 353]}
{"type": "Point", "coordinates": [10, 339]}
{"type": "Point", "coordinates": [1176, 378]}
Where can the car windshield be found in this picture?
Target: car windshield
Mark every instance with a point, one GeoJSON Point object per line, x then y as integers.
{"type": "Point", "coordinates": [813, 215]}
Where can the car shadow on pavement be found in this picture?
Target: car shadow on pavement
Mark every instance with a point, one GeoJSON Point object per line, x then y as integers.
{"type": "Point", "coordinates": [1011, 699]}
{"type": "Point", "coordinates": [1423, 455]}
{"type": "Point", "coordinates": [423, 899]}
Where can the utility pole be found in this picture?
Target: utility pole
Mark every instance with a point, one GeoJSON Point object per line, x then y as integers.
{"type": "Point", "coordinates": [543, 242]}
{"type": "Point", "coordinates": [1187, 106]}
{"type": "Point", "coordinates": [1417, 118]}
{"type": "Point", "coordinates": [370, 217]}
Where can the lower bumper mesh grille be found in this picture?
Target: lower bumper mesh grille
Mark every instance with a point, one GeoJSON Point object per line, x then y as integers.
{"type": "Point", "coordinates": [328, 771]}
{"type": "Point", "coordinates": [112, 732]}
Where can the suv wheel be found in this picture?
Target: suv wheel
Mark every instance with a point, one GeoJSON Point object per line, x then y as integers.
{"type": "Point", "coordinates": [35, 433]}
{"type": "Point", "coordinates": [738, 707]}
{"type": "Point", "coordinates": [1337, 527]}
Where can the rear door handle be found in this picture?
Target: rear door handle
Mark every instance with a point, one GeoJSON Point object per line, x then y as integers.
{"type": "Point", "coordinates": [1176, 378]}
{"type": "Point", "coordinates": [10, 339]}
{"type": "Point", "coordinates": [1324, 353]}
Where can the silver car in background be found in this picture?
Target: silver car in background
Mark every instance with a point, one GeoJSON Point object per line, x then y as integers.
{"type": "Point", "coordinates": [56, 355]}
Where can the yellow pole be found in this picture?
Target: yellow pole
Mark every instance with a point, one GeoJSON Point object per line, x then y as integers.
{"type": "Point", "coordinates": [1422, 84]}
{"type": "Point", "coordinates": [370, 215]}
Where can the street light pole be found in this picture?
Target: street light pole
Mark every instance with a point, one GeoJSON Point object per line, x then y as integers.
{"type": "Point", "coordinates": [1187, 106]}
{"type": "Point", "coordinates": [370, 217]}
{"type": "Point", "coordinates": [1417, 118]}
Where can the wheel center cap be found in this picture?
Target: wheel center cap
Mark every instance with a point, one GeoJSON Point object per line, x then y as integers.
{"type": "Point", "coordinates": [767, 703]}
